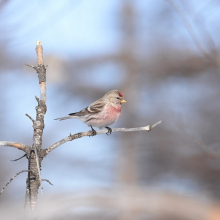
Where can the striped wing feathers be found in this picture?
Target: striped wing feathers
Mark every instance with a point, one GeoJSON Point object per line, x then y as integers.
{"type": "Point", "coordinates": [94, 108]}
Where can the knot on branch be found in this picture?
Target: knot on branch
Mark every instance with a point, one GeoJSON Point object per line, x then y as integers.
{"type": "Point", "coordinates": [41, 108]}
{"type": "Point", "coordinates": [75, 136]}
{"type": "Point", "coordinates": [41, 70]}
{"type": "Point", "coordinates": [38, 124]}
{"type": "Point", "coordinates": [41, 154]}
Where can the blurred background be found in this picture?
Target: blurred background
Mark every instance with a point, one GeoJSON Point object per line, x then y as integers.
{"type": "Point", "coordinates": [164, 58]}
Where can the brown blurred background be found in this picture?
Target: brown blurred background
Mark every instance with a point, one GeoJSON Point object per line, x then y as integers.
{"type": "Point", "coordinates": [164, 57]}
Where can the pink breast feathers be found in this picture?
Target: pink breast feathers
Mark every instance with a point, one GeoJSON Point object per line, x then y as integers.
{"type": "Point", "coordinates": [114, 113]}
{"type": "Point", "coordinates": [113, 110]}
{"type": "Point", "coordinates": [109, 116]}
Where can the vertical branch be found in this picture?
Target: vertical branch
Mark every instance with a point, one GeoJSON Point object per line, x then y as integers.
{"type": "Point", "coordinates": [32, 182]}
{"type": "Point", "coordinates": [36, 155]}
{"type": "Point", "coordinates": [39, 51]}
{"type": "Point", "coordinates": [41, 72]}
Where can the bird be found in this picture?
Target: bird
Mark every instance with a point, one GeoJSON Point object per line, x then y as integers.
{"type": "Point", "coordinates": [101, 113]}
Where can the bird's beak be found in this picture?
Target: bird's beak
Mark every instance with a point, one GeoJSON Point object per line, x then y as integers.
{"type": "Point", "coordinates": [123, 101]}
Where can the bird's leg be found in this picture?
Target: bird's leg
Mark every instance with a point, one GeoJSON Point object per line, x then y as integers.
{"type": "Point", "coordinates": [109, 130]}
{"type": "Point", "coordinates": [93, 131]}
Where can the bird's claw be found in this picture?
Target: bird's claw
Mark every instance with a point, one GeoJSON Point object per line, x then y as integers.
{"type": "Point", "coordinates": [93, 131]}
{"type": "Point", "coordinates": [109, 131]}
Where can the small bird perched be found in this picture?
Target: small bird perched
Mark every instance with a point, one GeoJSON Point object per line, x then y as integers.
{"type": "Point", "coordinates": [101, 113]}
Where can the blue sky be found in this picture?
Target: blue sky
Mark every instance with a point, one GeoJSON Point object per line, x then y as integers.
{"type": "Point", "coordinates": [65, 27]}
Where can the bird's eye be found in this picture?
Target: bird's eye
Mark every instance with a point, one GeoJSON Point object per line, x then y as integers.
{"type": "Point", "coordinates": [118, 98]}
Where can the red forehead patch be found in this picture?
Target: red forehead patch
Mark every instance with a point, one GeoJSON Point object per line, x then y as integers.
{"type": "Point", "coordinates": [120, 94]}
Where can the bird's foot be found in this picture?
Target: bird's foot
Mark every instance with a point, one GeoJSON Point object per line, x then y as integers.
{"type": "Point", "coordinates": [93, 131]}
{"type": "Point", "coordinates": [109, 131]}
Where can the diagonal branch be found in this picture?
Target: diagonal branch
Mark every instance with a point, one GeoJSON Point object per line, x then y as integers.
{"type": "Point", "coordinates": [47, 181]}
{"type": "Point", "coordinates": [30, 118]}
{"type": "Point", "coordinates": [19, 146]}
{"type": "Point", "coordinates": [25, 155]}
{"type": "Point", "coordinates": [72, 137]}
{"type": "Point", "coordinates": [22, 171]}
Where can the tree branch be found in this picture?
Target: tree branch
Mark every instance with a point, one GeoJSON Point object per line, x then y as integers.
{"type": "Point", "coordinates": [22, 171]}
{"type": "Point", "coordinates": [41, 71]}
{"type": "Point", "coordinates": [30, 118]}
{"type": "Point", "coordinates": [72, 137]}
{"type": "Point", "coordinates": [34, 67]}
{"type": "Point", "coordinates": [34, 161]}
{"type": "Point", "coordinates": [47, 181]}
{"type": "Point", "coordinates": [14, 144]}
{"type": "Point", "coordinates": [25, 155]}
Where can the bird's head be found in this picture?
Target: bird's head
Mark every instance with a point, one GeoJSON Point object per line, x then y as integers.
{"type": "Point", "coordinates": [115, 97]}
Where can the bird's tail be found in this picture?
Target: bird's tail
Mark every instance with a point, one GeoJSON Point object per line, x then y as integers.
{"type": "Point", "coordinates": [64, 118]}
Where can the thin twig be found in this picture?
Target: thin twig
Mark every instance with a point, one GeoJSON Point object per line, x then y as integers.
{"type": "Point", "coordinates": [14, 144]}
{"type": "Point", "coordinates": [22, 171]}
{"type": "Point", "coordinates": [38, 100]}
{"type": "Point", "coordinates": [72, 137]}
{"type": "Point", "coordinates": [47, 181]}
{"type": "Point", "coordinates": [20, 157]}
{"type": "Point", "coordinates": [30, 65]}
{"type": "Point", "coordinates": [30, 118]}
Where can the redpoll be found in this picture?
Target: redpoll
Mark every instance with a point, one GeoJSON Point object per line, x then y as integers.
{"type": "Point", "coordinates": [101, 113]}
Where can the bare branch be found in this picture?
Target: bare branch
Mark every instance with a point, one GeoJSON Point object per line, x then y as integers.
{"type": "Point", "coordinates": [30, 118]}
{"type": "Point", "coordinates": [72, 137]}
{"type": "Point", "coordinates": [20, 157]}
{"type": "Point", "coordinates": [41, 71]}
{"type": "Point", "coordinates": [42, 188]}
{"type": "Point", "coordinates": [34, 161]}
{"type": "Point", "coordinates": [29, 65]}
{"type": "Point", "coordinates": [38, 100]}
{"type": "Point", "coordinates": [39, 51]}
{"type": "Point", "coordinates": [47, 181]}
{"type": "Point", "coordinates": [14, 177]}
{"type": "Point", "coordinates": [14, 144]}
{"type": "Point", "coordinates": [34, 67]}
{"type": "Point", "coordinates": [41, 108]}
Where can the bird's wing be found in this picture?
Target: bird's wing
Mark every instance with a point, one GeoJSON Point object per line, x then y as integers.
{"type": "Point", "coordinates": [97, 106]}
{"type": "Point", "coordinates": [81, 113]}
{"type": "Point", "coordinates": [94, 108]}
